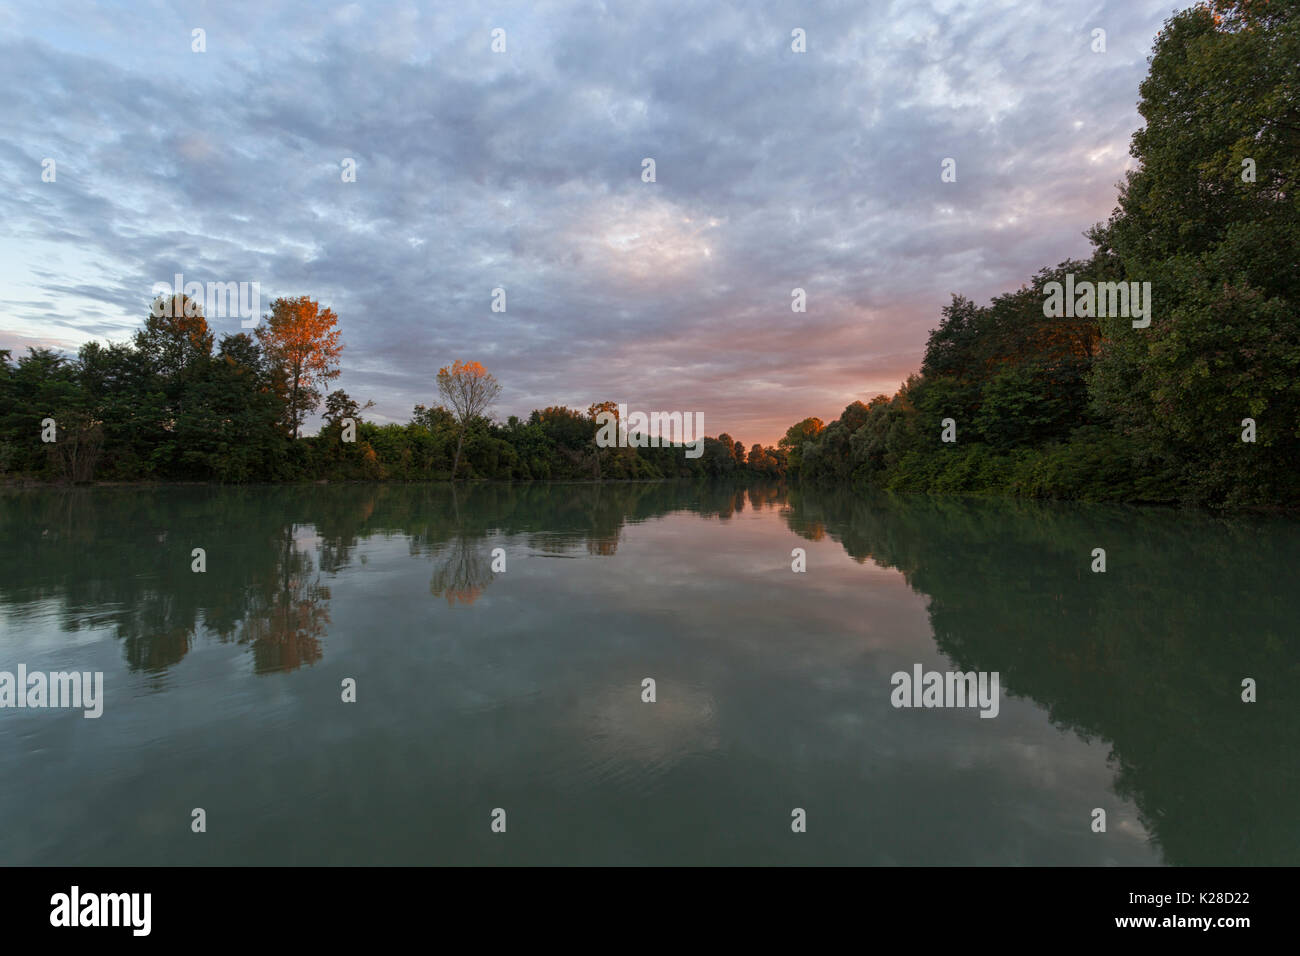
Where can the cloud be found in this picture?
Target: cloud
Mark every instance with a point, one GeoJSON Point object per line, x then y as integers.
{"type": "Point", "coordinates": [522, 170]}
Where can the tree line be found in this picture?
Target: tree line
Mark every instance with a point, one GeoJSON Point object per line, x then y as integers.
{"type": "Point", "coordinates": [1200, 406]}
{"type": "Point", "coordinates": [174, 404]}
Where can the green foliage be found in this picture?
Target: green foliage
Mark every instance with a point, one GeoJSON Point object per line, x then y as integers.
{"type": "Point", "coordinates": [166, 408]}
{"type": "Point", "coordinates": [1221, 253]}
{"type": "Point", "coordinates": [1097, 409]}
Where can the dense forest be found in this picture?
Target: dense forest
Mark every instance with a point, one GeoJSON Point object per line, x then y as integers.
{"type": "Point", "coordinates": [1202, 405]}
{"type": "Point", "coordinates": [1197, 403]}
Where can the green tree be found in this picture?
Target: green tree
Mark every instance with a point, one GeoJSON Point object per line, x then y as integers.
{"type": "Point", "coordinates": [1220, 251]}
{"type": "Point", "coordinates": [796, 436]}
{"type": "Point", "coordinates": [176, 347]}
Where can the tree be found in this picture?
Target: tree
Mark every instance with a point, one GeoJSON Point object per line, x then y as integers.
{"type": "Point", "coordinates": [765, 461]}
{"type": "Point", "coordinates": [801, 432]}
{"type": "Point", "coordinates": [726, 457]}
{"type": "Point", "coordinates": [176, 344]}
{"type": "Point", "coordinates": [718, 460]}
{"type": "Point", "coordinates": [44, 384]}
{"type": "Point", "coordinates": [228, 430]}
{"type": "Point", "coordinates": [594, 410]}
{"type": "Point", "coordinates": [888, 434]}
{"type": "Point", "coordinates": [469, 390]}
{"type": "Point", "coordinates": [854, 416]}
{"type": "Point", "coordinates": [1211, 218]}
{"type": "Point", "coordinates": [952, 342]}
{"type": "Point", "coordinates": [300, 340]}
{"type": "Point", "coordinates": [340, 405]}
{"type": "Point", "coordinates": [798, 435]}
{"type": "Point", "coordinates": [121, 389]}
{"type": "Point", "coordinates": [566, 428]}
{"type": "Point", "coordinates": [434, 419]}
{"type": "Point", "coordinates": [175, 336]}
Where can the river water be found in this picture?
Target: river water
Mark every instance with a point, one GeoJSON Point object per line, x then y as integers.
{"type": "Point", "coordinates": [499, 641]}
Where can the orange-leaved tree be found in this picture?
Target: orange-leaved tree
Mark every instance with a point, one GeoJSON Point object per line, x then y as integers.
{"type": "Point", "coordinates": [301, 342]}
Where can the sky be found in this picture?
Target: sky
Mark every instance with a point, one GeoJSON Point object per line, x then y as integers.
{"type": "Point", "coordinates": [523, 170]}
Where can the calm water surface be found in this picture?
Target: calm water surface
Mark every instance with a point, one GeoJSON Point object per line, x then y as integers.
{"type": "Point", "coordinates": [521, 690]}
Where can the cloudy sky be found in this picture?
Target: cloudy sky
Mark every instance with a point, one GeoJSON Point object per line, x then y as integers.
{"type": "Point", "coordinates": [522, 170]}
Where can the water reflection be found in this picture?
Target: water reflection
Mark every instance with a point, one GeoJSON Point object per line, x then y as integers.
{"type": "Point", "coordinates": [462, 571]}
{"type": "Point", "coordinates": [285, 618]}
{"type": "Point", "coordinates": [1148, 657]}
{"type": "Point", "coordinates": [124, 555]}
{"type": "Point", "coordinates": [1145, 661]}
